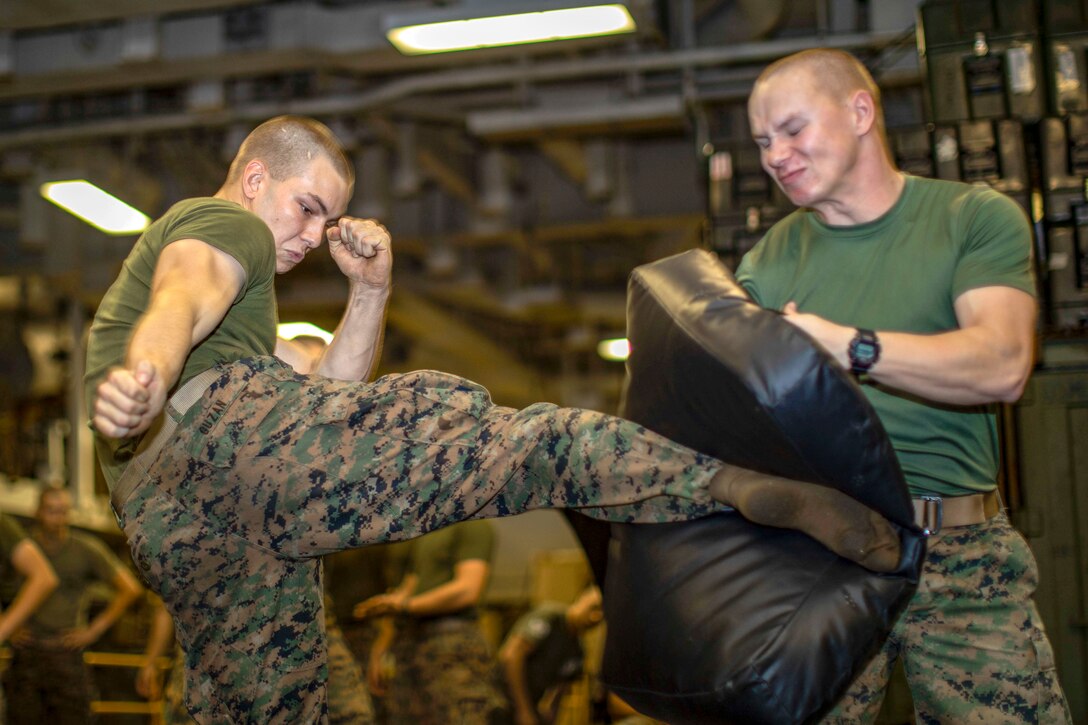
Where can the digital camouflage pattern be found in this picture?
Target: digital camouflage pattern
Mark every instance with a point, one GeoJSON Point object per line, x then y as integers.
{"type": "Point", "coordinates": [272, 469]}
{"type": "Point", "coordinates": [971, 639]}
{"type": "Point", "coordinates": [444, 673]}
{"type": "Point", "coordinates": [349, 700]}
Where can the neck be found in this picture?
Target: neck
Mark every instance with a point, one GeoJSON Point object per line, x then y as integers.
{"type": "Point", "coordinates": [228, 193]}
{"type": "Point", "coordinates": [869, 195]}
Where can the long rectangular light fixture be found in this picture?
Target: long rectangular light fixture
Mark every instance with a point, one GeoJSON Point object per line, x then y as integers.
{"type": "Point", "coordinates": [100, 209]}
{"type": "Point", "coordinates": [509, 28]}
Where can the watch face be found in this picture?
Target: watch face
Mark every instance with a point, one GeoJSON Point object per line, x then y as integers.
{"type": "Point", "coordinates": [864, 351]}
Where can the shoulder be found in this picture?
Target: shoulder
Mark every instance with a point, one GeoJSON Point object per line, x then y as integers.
{"type": "Point", "coordinates": [962, 198]}
{"type": "Point", "coordinates": [221, 224]}
{"type": "Point", "coordinates": [539, 622]}
{"type": "Point", "coordinates": [211, 219]}
{"type": "Point", "coordinates": [11, 532]}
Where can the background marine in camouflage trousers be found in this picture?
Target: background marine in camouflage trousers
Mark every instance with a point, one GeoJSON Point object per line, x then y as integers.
{"type": "Point", "coordinates": [444, 674]}
{"type": "Point", "coordinates": [272, 469]}
{"type": "Point", "coordinates": [962, 663]}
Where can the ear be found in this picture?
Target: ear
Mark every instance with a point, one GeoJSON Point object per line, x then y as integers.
{"type": "Point", "coordinates": [864, 108]}
{"type": "Point", "coordinates": [254, 176]}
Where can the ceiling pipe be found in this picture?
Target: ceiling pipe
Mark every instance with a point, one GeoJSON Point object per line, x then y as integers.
{"type": "Point", "coordinates": [446, 81]}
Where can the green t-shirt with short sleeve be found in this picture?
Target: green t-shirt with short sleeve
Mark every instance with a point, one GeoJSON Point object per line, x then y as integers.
{"type": "Point", "coordinates": [82, 560]}
{"type": "Point", "coordinates": [249, 327]}
{"type": "Point", "coordinates": [903, 272]}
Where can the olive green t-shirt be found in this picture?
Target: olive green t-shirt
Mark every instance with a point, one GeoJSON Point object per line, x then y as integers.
{"type": "Point", "coordinates": [903, 272]}
{"type": "Point", "coordinates": [248, 329]}
{"type": "Point", "coordinates": [82, 560]}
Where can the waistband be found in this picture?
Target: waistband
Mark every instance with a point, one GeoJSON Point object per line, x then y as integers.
{"type": "Point", "coordinates": [932, 513]}
{"type": "Point", "coordinates": [435, 625]}
{"type": "Point", "coordinates": [176, 407]}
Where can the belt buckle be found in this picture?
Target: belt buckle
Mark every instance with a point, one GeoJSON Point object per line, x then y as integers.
{"type": "Point", "coordinates": [932, 514]}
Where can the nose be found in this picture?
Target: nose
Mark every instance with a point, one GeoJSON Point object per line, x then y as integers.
{"type": "Point", "coordinates": [314, 233]}
{"type": "Point", "coordinates": [775, 154]}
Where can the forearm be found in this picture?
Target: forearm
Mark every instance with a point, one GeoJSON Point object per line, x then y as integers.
{"type": "Point", "coordinates": [985, 358]}
{"type": "Point", "coordinates": [356, 345]}
{"type": "Point", "coordinates": [35, 589]}
{"type": "Point", "coordinates": [109, 616]}
{"type": "Point", "coordinates": [517, 684]}
{"type": "Point", "coordinates": [963, 367]}
{"type": "Point", "coordinates": [464, 590]}
{"type": "Point", "coordinates": [450, 597]}
{"type": "Point", "coordinates": [161, 635]}
{"type": "Point", "coordinates": [163, 336]}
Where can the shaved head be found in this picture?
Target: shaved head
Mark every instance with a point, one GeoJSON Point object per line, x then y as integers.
{"type": "Point", "coordinates": [834, 73]}
{"type": "Point", "coordinates": [287, 145]}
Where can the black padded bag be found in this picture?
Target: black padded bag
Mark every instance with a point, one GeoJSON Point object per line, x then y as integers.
{"type": "Point", "coordinates": [720, 620]}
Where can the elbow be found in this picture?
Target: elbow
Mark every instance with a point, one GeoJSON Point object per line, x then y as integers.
{"type": "Point", "coordinates": [1011, 393]}
{"type": "Point", "coordinates": [1008, 384]}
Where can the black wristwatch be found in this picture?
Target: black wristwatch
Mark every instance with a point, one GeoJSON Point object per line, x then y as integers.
{"type": "Point", "coordinates": [864, 351]}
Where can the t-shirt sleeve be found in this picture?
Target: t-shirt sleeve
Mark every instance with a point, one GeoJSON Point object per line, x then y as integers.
{"type": "Point", "coordinates": [745, 273]}
{"type": "Point", "coordinates": [232, 230]}
{"type": "Point", "coordinates": [535, 625]}
{"type": "Point", "coordinates": [476, 540]}
{"type": "Point", "coordinates": [996, 249]}
{"type": "Point", "coordinates": [11, 533]}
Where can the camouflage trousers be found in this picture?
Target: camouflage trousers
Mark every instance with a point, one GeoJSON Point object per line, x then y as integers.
{"type": "Point", "coordinates": [972, 643]}
{"type": "Point", "coordinates": [47, 683]}
{"type": "Point", "coordinates": [174, 711]}
{"type": "Point", "coordinates": [445, 673]}
{"type": "Point", "coordinates": [272, 469]}
{"type": "Point", "coordinates": [349, 698]}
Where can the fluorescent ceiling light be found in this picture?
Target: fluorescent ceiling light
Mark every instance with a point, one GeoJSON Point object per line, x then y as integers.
{"type": "Point", "coordinates": [101, 210]}
{"type": "Point", "coordinates": [291, 330]}
{"type": "Point", "coordinates": [512, 29]}
{"type": "Point", "coordinates": [618, 349]}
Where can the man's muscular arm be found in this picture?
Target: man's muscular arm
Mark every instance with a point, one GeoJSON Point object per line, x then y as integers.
{"type": "Point", "coordinates": [362, 249]}
{"type": "Point", "coordinates": [986, 359]}
{"type": "Point", "coordinates": [193, 287]}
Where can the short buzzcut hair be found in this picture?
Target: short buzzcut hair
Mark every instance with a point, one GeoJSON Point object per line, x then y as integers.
{"type": "Point", "coordinates": [838, 74]}
{"type": "Point", "coordinates": [287, 145]}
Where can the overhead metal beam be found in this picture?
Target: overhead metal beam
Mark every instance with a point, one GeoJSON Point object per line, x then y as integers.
{"type": "Point", "coordinates": [446, 82]}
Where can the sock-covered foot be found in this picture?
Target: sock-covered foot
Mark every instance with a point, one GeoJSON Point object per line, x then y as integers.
{"type": "Point", "coordinates": [839, 522]}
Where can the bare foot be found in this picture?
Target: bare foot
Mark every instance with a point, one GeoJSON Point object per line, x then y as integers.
{"type": "Point", "coordinates": [839, 522]}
